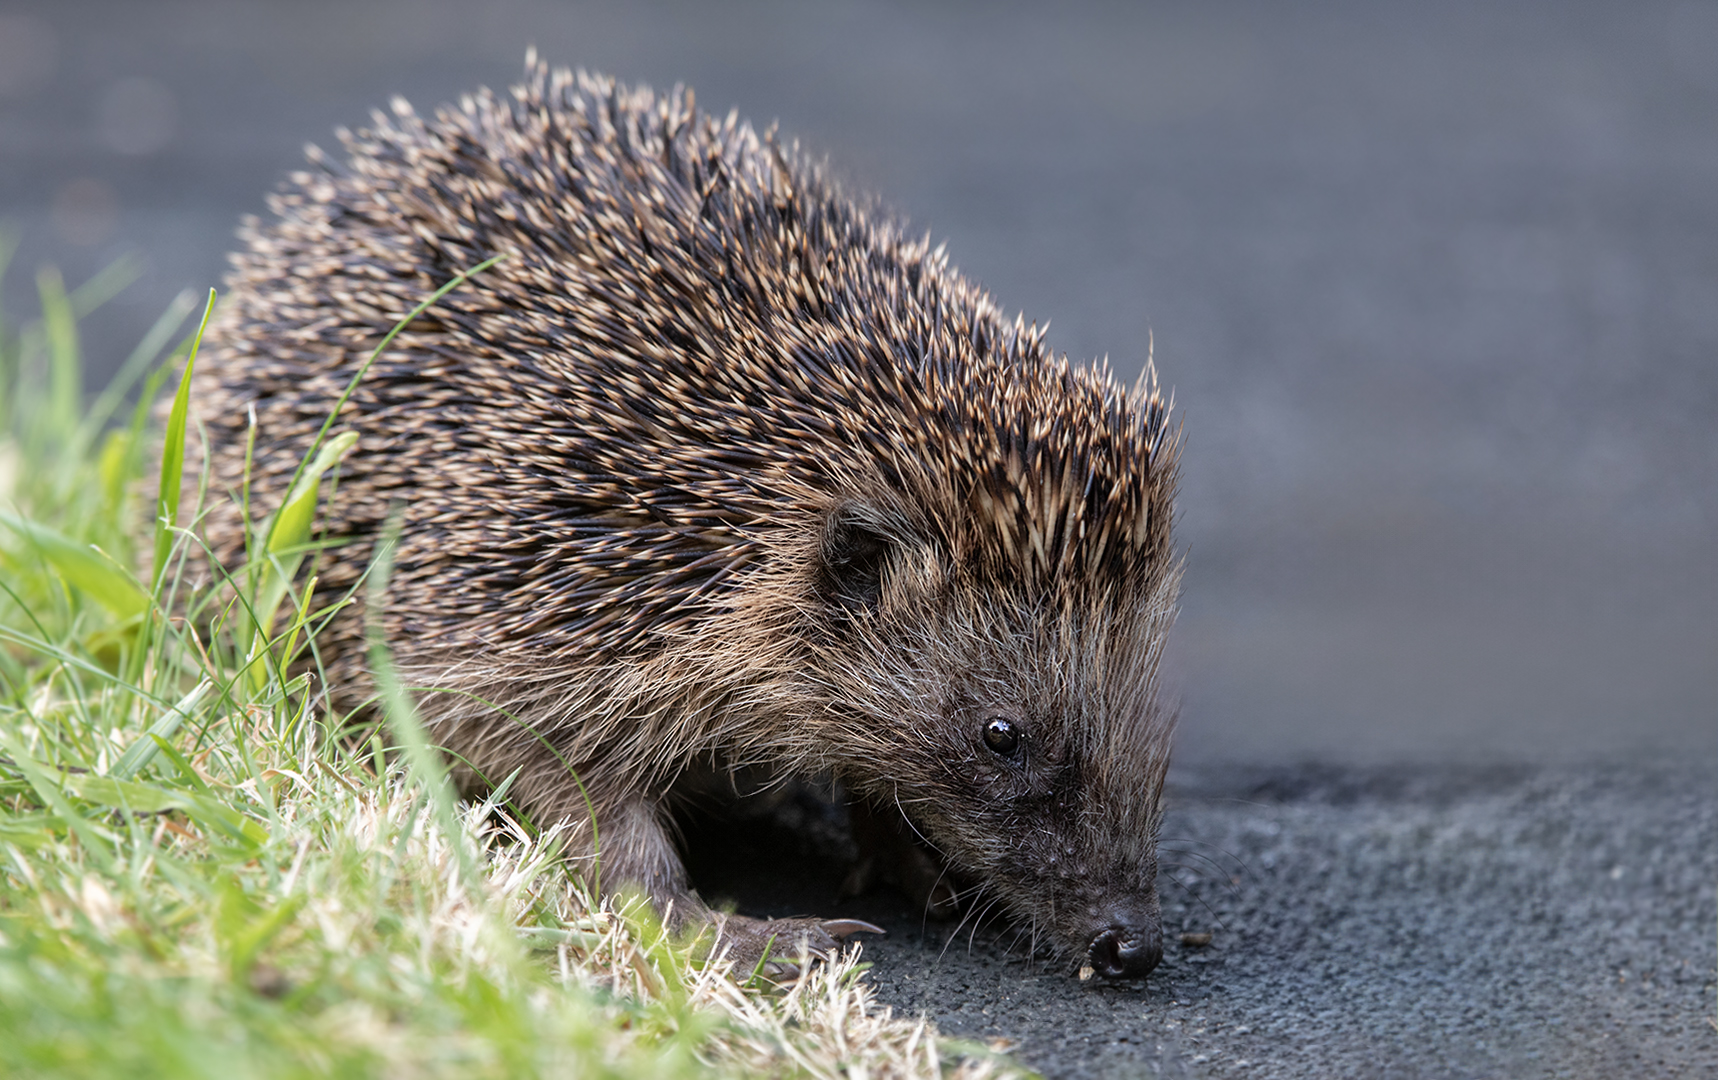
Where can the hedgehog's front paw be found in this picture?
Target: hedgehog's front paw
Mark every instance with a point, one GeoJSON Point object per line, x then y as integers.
{"type": "Point", "coordinates": [776, 948]}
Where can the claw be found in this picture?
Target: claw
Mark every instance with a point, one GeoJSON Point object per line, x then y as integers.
{"type": "Point", "coordinates": [785, 946]}
{"type": "Point", "coordinates": [842, 928]}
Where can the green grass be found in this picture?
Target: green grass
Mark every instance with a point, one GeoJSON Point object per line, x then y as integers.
{"type": "Point", "coordinates": [203, 873]}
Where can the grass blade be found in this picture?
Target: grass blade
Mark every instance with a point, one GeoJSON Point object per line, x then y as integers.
{"type": "Point", "coordinates": [288, 534]}
{"type": "Point", "coordinates": [141, 752]}
{"type": "Point", "coordinates": [8, 369]}
{"type": "Point", "coordinates": [83, 566]}
{"type": "Point", "coordinates": [148, 348]}
{"type": "Point", "coordinates": [108, 283]}
{"type": "Point", "coordinates": [425, 762]}
{"type": "Point", "coordinates": [173, 458]}
{"type": "Point", "coordinates": [65, 374]}
{"type": "Point", "coordinates": [129, 795]}
{"type": "Point", "coordinates": [95, 844]}
{"type": "Point", "coordinates": [291, 529]}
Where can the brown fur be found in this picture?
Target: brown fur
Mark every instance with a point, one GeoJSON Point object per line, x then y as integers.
{"type": "Point", "coordinates": [717, 466]}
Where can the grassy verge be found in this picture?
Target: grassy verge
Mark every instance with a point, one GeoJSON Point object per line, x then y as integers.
{"type": "Point", "coordinates": [203, 874]}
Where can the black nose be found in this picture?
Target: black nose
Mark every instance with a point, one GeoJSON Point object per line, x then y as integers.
{"type": "Point", "coordinates": [1126, 952]}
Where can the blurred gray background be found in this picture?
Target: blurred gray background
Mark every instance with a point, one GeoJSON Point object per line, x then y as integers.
{"type": "Point", "coordinates": [1436, 287]}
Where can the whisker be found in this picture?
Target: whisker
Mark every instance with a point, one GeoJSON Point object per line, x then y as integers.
{"type": "Point", "coordinates": [1020, 933]}
{"type": "Point", "coordinates": [1222, 883]}
{"type": "Point", "coordinates": [1201, 901]}
{"type": "Point", "coordinates": [955, 934]}
{"type": "Point", "coordinates": [925, 913]}
{"type": "Point", "coordinates": [1240, 863]}
{"type": "Point", "coordinates": [973, 934]}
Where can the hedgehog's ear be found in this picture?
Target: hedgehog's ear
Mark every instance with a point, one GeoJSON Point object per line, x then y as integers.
{"type": "Point", "coordinates": [851, 560]}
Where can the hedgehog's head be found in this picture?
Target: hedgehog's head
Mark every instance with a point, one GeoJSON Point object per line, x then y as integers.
{"type": "Point", "coordinates": [987, 639]}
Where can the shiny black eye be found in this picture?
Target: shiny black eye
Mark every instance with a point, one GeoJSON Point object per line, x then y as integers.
{"type": "Point", "coordinates": [1001, 735]}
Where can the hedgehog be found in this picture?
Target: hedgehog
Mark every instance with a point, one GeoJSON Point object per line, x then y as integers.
{"type": "Point", "coordinates": [720, 471]}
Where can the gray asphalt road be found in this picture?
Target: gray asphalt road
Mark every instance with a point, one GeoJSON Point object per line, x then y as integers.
{"type": "Point", "coordinates": [1364, 923]}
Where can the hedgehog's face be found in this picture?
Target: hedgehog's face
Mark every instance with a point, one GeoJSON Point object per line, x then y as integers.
{"type": "Point", "coordinates": [1017, 731]}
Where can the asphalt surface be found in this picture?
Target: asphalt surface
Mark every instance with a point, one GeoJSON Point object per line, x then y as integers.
{"type": "Point", "coordinates": [1364, 923]}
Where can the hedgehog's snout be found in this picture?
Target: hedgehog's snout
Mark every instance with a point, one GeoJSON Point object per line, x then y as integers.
{"type": "Point", "coordinates": [1127, 947]}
